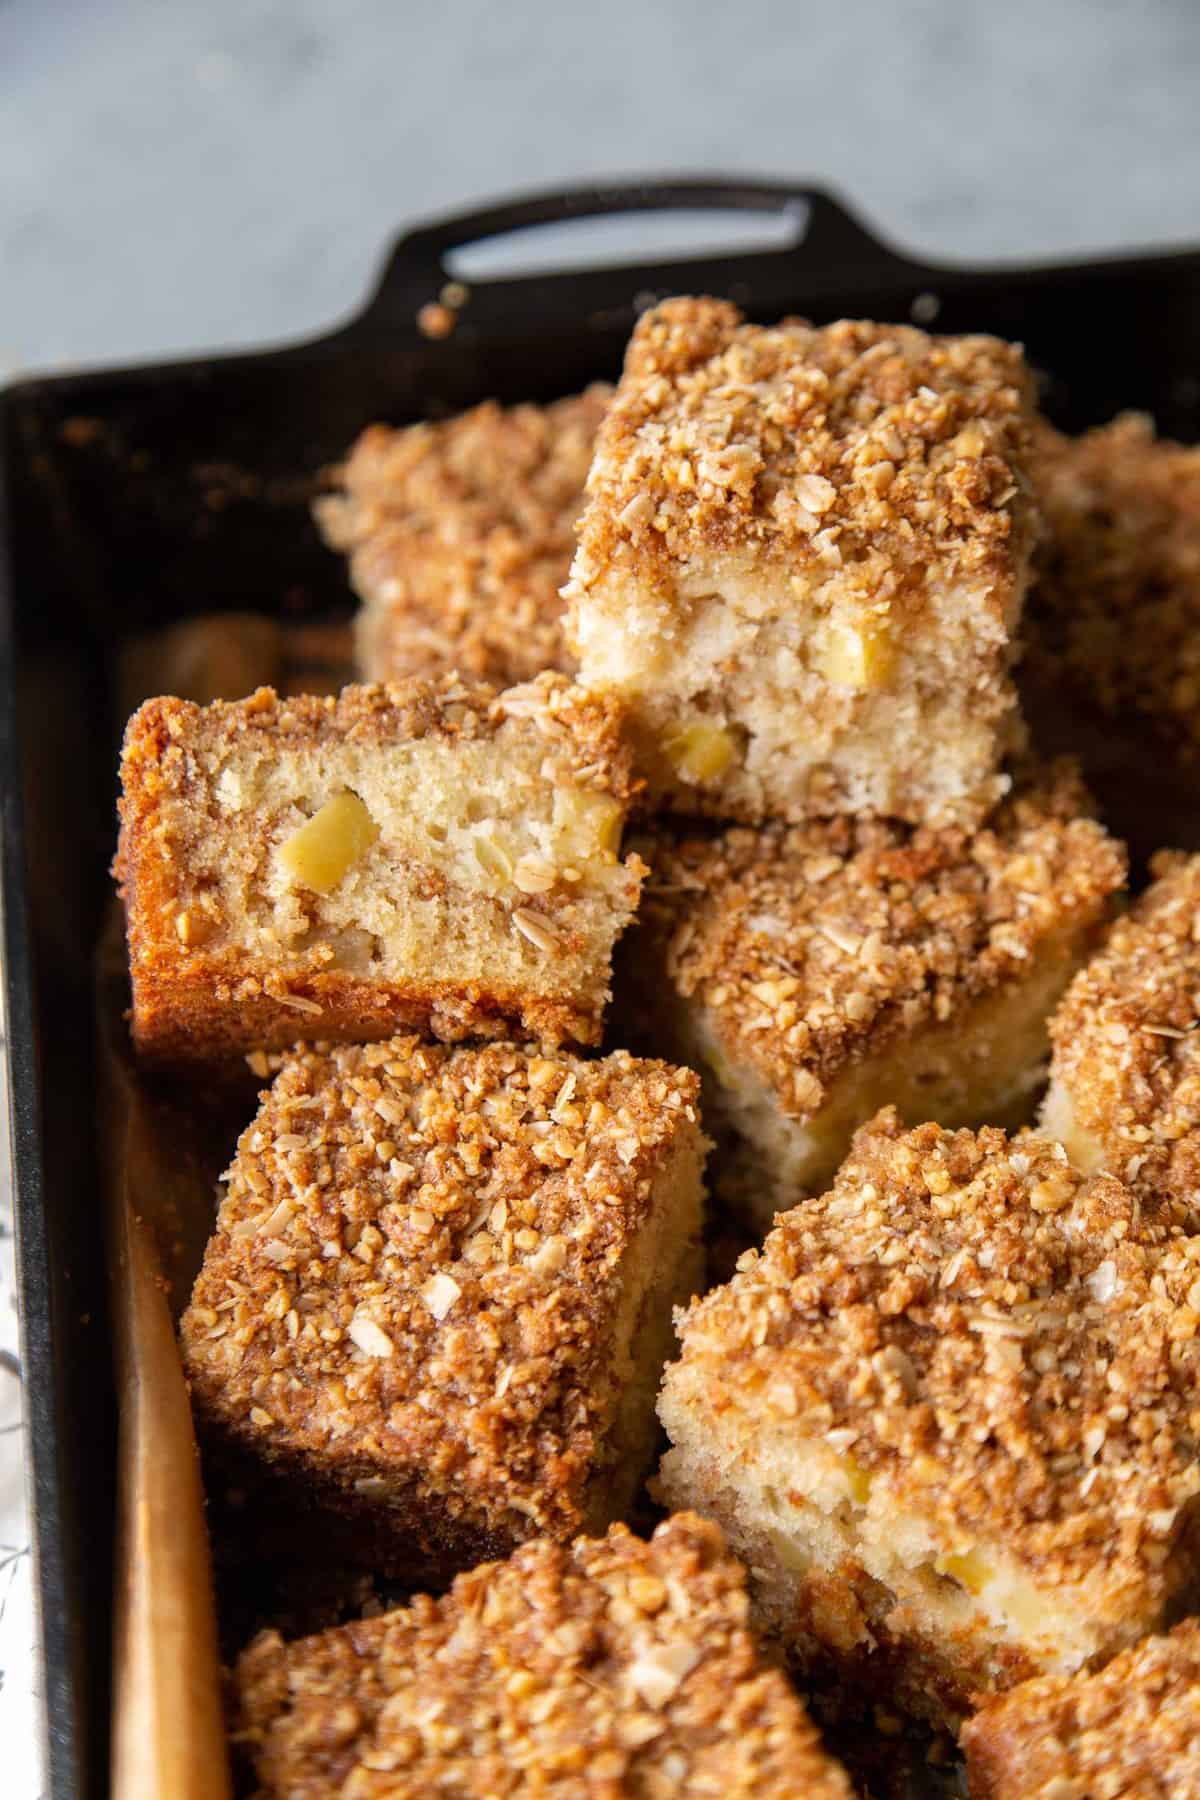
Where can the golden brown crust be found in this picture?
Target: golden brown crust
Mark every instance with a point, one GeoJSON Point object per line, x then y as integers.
{"type": "Point", "coordinates": [805, 944]}
{"type": "Point", "coordinates": [612, 1667]}
{"type": "Point", "coordinates": [460, 536]}
{"type": "Point", "coordinates": [410, 1295]}
{"type": "Point", "coordinates": [1112, 618]}
{"type": "Point", "coordinates": [194, 1000]}
{"type": "Point", "coordinates": [1131, 1732]}
{"type": "Point", "coordinates": [1011, 1348]}
{"type": "Point", "coordinates": [1126, 1043]}
{"type": "Point", "coordinates": [895, 457]}
{"type": "Point", "coordinates": [210, 1011]}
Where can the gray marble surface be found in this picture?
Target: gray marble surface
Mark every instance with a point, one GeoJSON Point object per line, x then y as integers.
{"type": "Point", "coordinates": [175, 176]}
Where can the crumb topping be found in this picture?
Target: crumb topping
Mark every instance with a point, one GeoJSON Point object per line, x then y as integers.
{"type": "Point", "coordinates": [1012, 1348]}
{"type": "Point", "coordinates": [883, 455]}
{"type": "Point", "coordinates": [585, 729]}
{"type": "Point", "coordinates": [417, 1263]}
{"type": "Point", "coordinates": [1131, 1729]}
{"type": "Point", "coordinates": [1115, 605]}
{"type": "Point", "coordinates": [804, 943]}
{"type": "Point", "coordinates": [460, 535]}
{"type": "Point", "coordinates": [1126, 1040]}
{"type": "Point", "coordinates": [613, 1666]}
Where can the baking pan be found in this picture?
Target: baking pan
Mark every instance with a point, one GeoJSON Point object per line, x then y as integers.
{"type": "Point", "coordinates": [134, 497]}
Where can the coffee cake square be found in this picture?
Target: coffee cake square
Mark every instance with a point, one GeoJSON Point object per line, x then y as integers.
{"type": "Point", "coordinates": [1124, 1089]}
{"type": "Point", "coordinates": [802, 561]}
{"type": "Point", "coordinates": [949, 1418]}
{"type": "Point", "coordinates": [439, 1296]}
{"type": "Point", "coordinates": [426, 855]}
{"type": "Point", "coordinates": [460, 534]}
{"type": "Point", "coordinates": [1131, 1732]}
{"type": "Point", "coordinates": [1111, 666]}
{"type": "Point", "coordinates": [814, 973]}
{"type": "Point", "coordinates": [610, 1667]}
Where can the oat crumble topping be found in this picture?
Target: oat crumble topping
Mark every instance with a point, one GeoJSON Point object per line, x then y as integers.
{"type": "Point", "coordinates": [417, 1262]}
{"type": "Point", "coordinates": [587, 727]}
{"type": "Point", "coordinates": [1012, 1347]}
{"type": "Point", "coordinates": [610, 1667]}
{"type": "Point", "coordinates": [803, 943]}
{"type": "Point", "coordinates": [876, 450]}
{"type": "Point", "coordinates": [460, 534]}
{"type": "Point", "coordinates": [1114, 610]}
{"type": "Point", "coordinates": [221, 957]}
{"type": "Point", "coordinates": [1126, 1041]}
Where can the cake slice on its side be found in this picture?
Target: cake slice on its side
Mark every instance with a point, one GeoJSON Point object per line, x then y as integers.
{"type": "Point", "coordinates": [948, 1419]}
{"type": "Point", "coordinates": [611, 1667]}
{"type": "Point", "coordinates": [802, 561]}
{"type": "Point", "coordinates": [814, 973]}
{"type": "Point", "coordinates": [425, 855]}
{"type": "Point", "coordinates": [1132, 1732]}
{"type": "Point", "coordinates": [460, 534]}
{"type": "Point", "coordinates": [439, 1297]}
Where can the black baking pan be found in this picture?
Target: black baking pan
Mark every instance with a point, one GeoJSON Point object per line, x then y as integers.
{"type": "Point", "coordinates": [135, 497]}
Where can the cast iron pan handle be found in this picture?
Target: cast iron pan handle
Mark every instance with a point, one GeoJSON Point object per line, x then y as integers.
{"type": "Point", "coordinates": [834, 252]}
